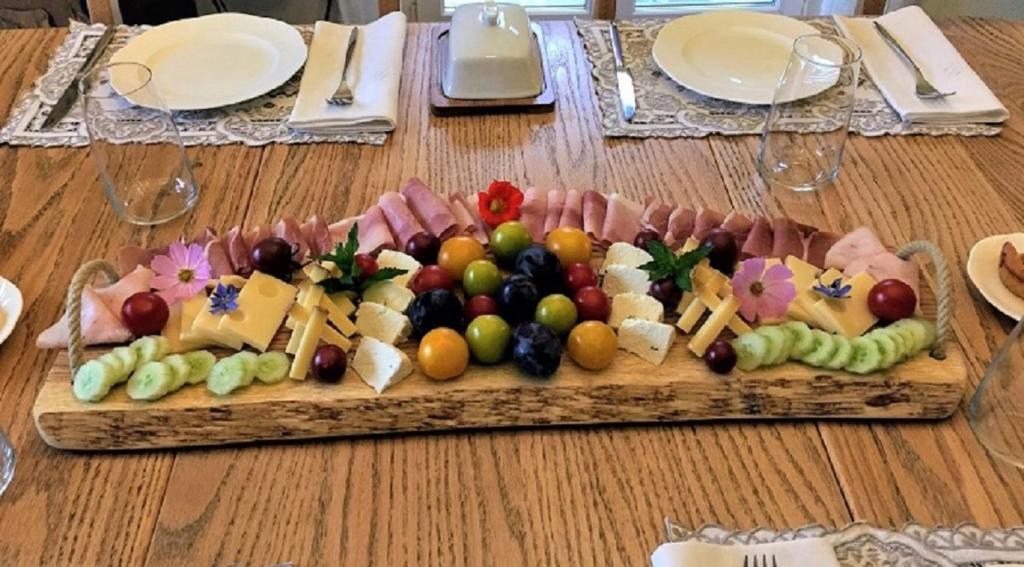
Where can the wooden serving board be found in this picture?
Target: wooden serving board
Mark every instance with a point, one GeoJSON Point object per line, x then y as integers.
{"type": "Point", "coordinates": [630, 391]}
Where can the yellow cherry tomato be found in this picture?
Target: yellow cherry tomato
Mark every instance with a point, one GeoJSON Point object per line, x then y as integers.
{"type": "Point", "coordinates": [570, 245]}
{"type": "Point", "coordinates": [443, 354]}
{"type": "Point", "coordinates": [457, 253]}
{"type": "Point", "coordinates": [592, 345]}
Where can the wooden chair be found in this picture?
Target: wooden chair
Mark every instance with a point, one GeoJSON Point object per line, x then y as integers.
{"type": "Point", "coordinates": [107, 12]}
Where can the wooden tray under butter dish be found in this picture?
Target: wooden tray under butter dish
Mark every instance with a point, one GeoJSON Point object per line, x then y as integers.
{"type": "Point", "coordinates": [441, 105]}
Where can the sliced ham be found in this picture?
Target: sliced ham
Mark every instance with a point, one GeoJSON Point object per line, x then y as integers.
{"type": "Point", "coordinates": [404, 224]}
{"type": "Point", "coordinates": [556, 202]}
{"type": "Point", "coordinates": [474, 225]}
{"type": "Point", "coordinates": [128, 257]}
{"type": "Point", "coordinates": [655, 216]}
{"type": "Point", "coordinates": [759, 241]}
{"type": "Point", "coordinates": [786, 239]}
{"type": "Point", "coordinates": [289, 229]}
{"type": "Point", "coordinates": [113, 295]}
{"type": "Point", "coordinates": [706, 221]}
{"type": "Point", "coordinates": [572, 212]}
{"type": "Point", "coordinates": [884, 266]}
{"type": "Point", "coordinates": [463, 218]}
{"type": "Point", "coordinates": [861, 243]}
{"type": "Point", "coordinates": [217, 255]}
{"type": "Point", "coordinates": [238, 251]}
{"type": "Point", "coordinates": [205, 236]}
{"type": "Point", "coordinates": [99, 325]}
{"type": "Point", "coordinates": [317, 236]}
{"type": "Point", "coordinates": [256, 234]}
{"type": "Point", "coordinates": [533, 212]}
{"type": "Point", "coordinates": [339, 230]}
{"type": "Point", "coordinates": [595, 206]}
{"type": "Point", "coordinates": [433, 212]}
{"type": "Point", "coordinates": [680, 226]}
{"type": "Point", "coordinates": [818, 245]}
{"type": "Point", "coordinates": [622, 219]}
{"type": "Point", "coordinates": [738, 225]}
{"type": "Point", "coordinates": [374, 234]}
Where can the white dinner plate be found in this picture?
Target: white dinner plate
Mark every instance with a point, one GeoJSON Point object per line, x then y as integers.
{"type": "Point", "coordinates": [10, 308]}
{"type": "Point", "coordinates": [215, 60]}
{"type": "Point", "coordinates": [983, 269]}
{"type": "Point", "coordinates": [733, 55]}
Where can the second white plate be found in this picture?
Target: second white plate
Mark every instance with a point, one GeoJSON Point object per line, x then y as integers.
{"type": "Point", "coordinates": [983, 270]}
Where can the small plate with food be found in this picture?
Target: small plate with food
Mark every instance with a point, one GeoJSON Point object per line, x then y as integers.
{"type": "Point", "coordinates": [996, 267]}
{"type": "Point", "coordinates": [10, 308]}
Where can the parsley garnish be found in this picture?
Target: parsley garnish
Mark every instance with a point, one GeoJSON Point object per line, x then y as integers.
{"type": "Point", "coordinates": [667, 264]}
{"type": "Point", "coordinates": [344, 256]}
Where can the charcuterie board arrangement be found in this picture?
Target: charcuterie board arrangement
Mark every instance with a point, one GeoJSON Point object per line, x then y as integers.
{"type": "Point", "coordinates": [506, 308]}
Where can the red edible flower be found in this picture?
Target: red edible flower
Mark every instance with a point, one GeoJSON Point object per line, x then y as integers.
{"type": "Point", "coordinates": [500, 203]}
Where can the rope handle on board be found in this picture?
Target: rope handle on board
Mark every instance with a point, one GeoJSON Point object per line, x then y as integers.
{"type": "Point", "coordinates": [944, 301]}
{"type": "Point", "coordinates": [74, 306]}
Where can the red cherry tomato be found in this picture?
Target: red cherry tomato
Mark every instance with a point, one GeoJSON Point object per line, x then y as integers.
{"type": "Point", "coordinates": [480, 305]}
{"type": "Point", "coordinates": [592, 304]}
{"type": "Point", "coordinates": [145, 313]}
{"type": "Point", "coordinates": [892, 300]}
{"type": "Point", "coordinates": [367, 265]}
{"type": "Point", "coordinates": [579, 275]}
{"type": "Point", "coordinates": [431, 277]}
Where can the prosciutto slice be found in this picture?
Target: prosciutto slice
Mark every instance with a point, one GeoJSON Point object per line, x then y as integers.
{"type": "Point", "coordinates": [556, 202]}
{"type": "Point", "coordinates": [288, 228]}
{"type": "Point", "coordinates": [572, 212]}
{"type": "Point", "coordinates": [533, 212]}
{"type": "Point", "coordinates": [595, 206]}
{"type": "Point", "coordinates": [738, 225]}
{"type": "Point", "coordinates": [99, 325]}
{"type": "Point", "coordinates": [469, 222]}
{"type": "Point", "coordinates": [205, 236]}
{"type": "Point", "coordinates": [622, 219]}
{"type": "Point", "coordinates": [759, 240]}
{"type": "Point", "coordinates": [128, 257]}
{"type": "Point", "coordinates": [374, 234]}
{"type": "Point", "coordinates": [317, 236]}
{"type": "Point", "coordinates": [861, 243]}
{"type": "Point", "coordinates": [706, 221]}
{"type": "Point", "coordinates": [680, 226]}
{"type": "Point", "coordinates": [256, 234]}
{"type": "Point", "coordinates": [433, 212]}
{"type": "Point", "coordinates": [818, 245]}
{"type": "Point", "coordinates": [656, 217]}
{"type": "Point", "coordinates": [404, 224]}
{"type": "Point", "coordinates": [339, 230]}
{"type": "Point", "coordinates": [238, 251]}
{"type": "Point", "coordinates": [217, 255]}
{"type": "Point", "coordinates": [787, 240]}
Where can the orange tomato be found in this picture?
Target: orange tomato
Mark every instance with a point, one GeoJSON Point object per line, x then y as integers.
{"type": "Point", "coordinates": [443, 354]}
{"type": "Point", "coordinates": [592, 345]}
{"type": "Point", "coordinates": [457, 253]}
{"type": "Point", "coordinates": [570, 245]}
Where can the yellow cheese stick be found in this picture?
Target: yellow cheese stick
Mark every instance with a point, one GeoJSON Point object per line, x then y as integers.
{"type": "Point", "coordinates": [337, 317]}
{"type": "Point", "coordinates": [693, 312]}
{"type": "Point", "coordinates": [297, 318]}
{"type": "Point", "coordinates": [307, 345]}
{"type": "Point", "coordinates": [720, 316]}
{"type": "Point", "coordinates": [295, 339]}
{"type": "Point", "coordinates": [711, 301]}
{"type": "Point", "coordinates": [345, 305]}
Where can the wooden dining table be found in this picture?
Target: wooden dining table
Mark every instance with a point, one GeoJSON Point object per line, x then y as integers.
{"type": "Point", "coordinates": [559, 496]}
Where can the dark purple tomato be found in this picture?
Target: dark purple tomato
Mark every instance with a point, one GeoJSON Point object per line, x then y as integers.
{"type": "Point", "coordinates": [480, 305]}
{"type": "Point", "coordinates": [666, 291]}
{"type": "Point", "coordinates": [424, 247]}
{"type": "Point", "coordinates": [592, 304]}
{"type": "Point", "coordinates": [273, 256]}
{"type": "Point", "coordinates": [431, 277]}
{"type": "Point", "coordinates": [720, 357]}
{"type": "Point", "coordinates": [724, 250]}
{"type": "Point", "coordinates": [329, 364]}
{"type": "Point", "coordinates": [644, 236]}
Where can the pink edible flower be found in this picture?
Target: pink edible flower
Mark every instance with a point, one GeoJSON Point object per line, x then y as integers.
{"type": "Point", "coordinates": [763, 293]}
{"type": "Point", "coordinates": [182, 273]}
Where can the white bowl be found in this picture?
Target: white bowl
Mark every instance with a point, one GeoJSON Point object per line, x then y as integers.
{"type": "Point", "coordinates": [11, 303]}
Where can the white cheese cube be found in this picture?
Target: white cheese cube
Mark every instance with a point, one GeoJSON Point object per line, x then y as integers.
{"type": "Point", "coordinates": [395, 259]}
{"type": "Point", "coordinates": [623, 279]}
{"type": "Point", "coordinates": [391, 294]}
{"type": "Point", "coordinates": [382, 323]}
{"type": "Point", "coordinates": [379, 364]}
{"type": "Point", "coordinates": [647, 339]}
{"type": "Point", "coordinates": [625, 254]}
{"type": "Point", "coordinates": [634, 306]}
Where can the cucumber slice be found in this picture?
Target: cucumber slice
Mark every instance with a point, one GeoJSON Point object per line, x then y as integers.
{"type": "Point", "coordinates": [129, 358]}
{"type": "Point", "coordinates": [903, 347]}
{"type": "Point", "coordinates": [150, 381]}
{"type": "Point", "coordinates": [93, 381]}
{"type": "Point", "coordinates": [200, 363]}
{"type": "Point", "coordinates": [751, 350]}
{"type": "Point", "coordinates": [251, 362]}
{"type": "Point", "coordinates": [148, 349]}
{"type": "Point", "coordinates": [886, 348]}
{"type": "Point", "coordinates": [909, 339]}
{"type": "Point", "coordinates": [824, 348]}
{"type": "Point", "coordinates": [866, 357]}
{"type": "Point", "coordinates": [180, 369]}
{"type": "Point", "coordinates": [115, 364]}
{"type": "Point", "coordinates": [272, 367]}
{"type": "Point", "coordinates": [915, 328]}
{"type": "Point", "coordinates": [778, 340]}
{"type": "Point", "coordinates": [844, 350]}
{"type": "Point", "coordinates": [803, 339]}
{"type": "Point", "coordinates": [227, 375]}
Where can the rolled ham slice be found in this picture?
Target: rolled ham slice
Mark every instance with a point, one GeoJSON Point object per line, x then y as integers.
{"type": "Point", "coordinates": [404, 224]}
{"type": "Point", "coordinates": [374, 234]}
{"type": "Point", "coordinates": [759, 241]}
{"type": "Point", "coordinates": [680, 226]}
{"type": "Point", "coordinates": [317, 236]}
{"type": "Point", "coordinates": [787, 240]}
{"type": "Point", "coordinates": [818, 245]}
{"type": "Point", "coordinates": [238, 251]}
{"type": "Point", "coordinates": [533, 212]}
{"type": "Point", "coordinates": [433, 212]}
{"type": "Point", "coordinates": [216, 253]}
{"type": "Point", "coordinates": [468, 217]}
{"type": "Point", "coordinates": [556, 202]}
{"type": "Point", "coordinates": [463, 218]}
{"type": "Point", "coordinates": [655, 216]}
{"type": "Point", "coordinates": [113, 295]}
{"type": "Point", "coordinates": [622, 219]}
{"type": "Point", "coordinates": [128, 257]}
{"type": "Point", "coordinates": [886, 265]}
{"type": "Point", "coordinates": [738, 225]}
{"type": "Point", "coordinates": [99, 325]}
{"type": "Point", "coordinates": [706, 221]}
{"type": "Point", "coordinates": [289, 229]}
{"type": "Point", "coordinates": [861, 243]}
{"type": "Point", "coordinates": [595, 206]}
{"type": "Point", "coordinates": [572, 212]}
{"type": "Point", "coordinates": [339, 230]}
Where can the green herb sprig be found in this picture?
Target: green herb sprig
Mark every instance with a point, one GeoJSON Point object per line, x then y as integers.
{"type": "Point", "coordinates": [344, 256]}
{"type": "Point", "coordinates": [666, 264]}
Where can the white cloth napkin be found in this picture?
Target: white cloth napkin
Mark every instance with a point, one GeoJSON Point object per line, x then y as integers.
{"type": "Point", "coordinates": [373, 75]}
{"type": "Point", "coordinates": [942, 65]}
{"type": "Point", "coordinates": [796, 553]}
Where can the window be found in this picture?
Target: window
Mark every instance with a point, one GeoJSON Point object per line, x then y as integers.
{"type": "Point", "coordinates": [436, 10]}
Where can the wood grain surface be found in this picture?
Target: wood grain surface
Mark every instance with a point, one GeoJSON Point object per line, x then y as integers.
{"type": "Point", "coordinates": [566, 496]}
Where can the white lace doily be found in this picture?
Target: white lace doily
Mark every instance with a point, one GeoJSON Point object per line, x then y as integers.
{"type": "Point", "coordinates": [863, 545]}
{"type": "Point", "coordinates": [665, 109]}
{"type": "Point", "coordinates": [260, 121]}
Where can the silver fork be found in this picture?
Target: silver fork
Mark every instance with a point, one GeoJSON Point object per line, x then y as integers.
{"type": "Point", "coordinates": [752, 561]}
{"type": "Point", "coordinates": [923, 89]}
{"type": "Point", "coordinates": [343, 96]}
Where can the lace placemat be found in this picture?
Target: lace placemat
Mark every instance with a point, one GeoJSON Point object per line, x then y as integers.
{"type": "Point", "coordinates": [863, 545]}
{"type": "Point", "coordinates": [665, 109]}
{"type": "Point", "coordinates": [260, 121]}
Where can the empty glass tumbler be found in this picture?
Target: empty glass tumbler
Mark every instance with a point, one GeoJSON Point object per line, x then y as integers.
{"type": "Point", "coordinates": [997, 410]}
{"type": "Point", "coordinates": [146, 183]}
{"type": "Point", "coordinates": [6, 461]}
{"type": "Point", "coordinates": [807, 125]}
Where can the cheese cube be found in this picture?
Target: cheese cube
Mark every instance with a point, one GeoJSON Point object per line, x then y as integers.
{"type": "Point", "coordinates": [391, 294]}
{"type": "Point", "coordinates": [379, 364]}
{"type": "Point", "coordinates": [382, 323]}
{"type": "Point", "coordinates": [395, 259]}
{"type": "Point", "coordinates": [623, 279]}
{"type": "Point", "coordinates": [262, 305]}
{"type": "Point", "coordinates": [649, 340]}
{"type": "Point", "coordinates": [849, 317]}
{"type": "Point", "coordinates": [625, 254]}
{"type": "Point", "coordinates": [634, 306]}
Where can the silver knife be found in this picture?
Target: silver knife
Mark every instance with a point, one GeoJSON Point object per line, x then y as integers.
{"type": "Point", "coordinates": [67, 99]}
{"type": "Point", "coordinates": [627, 97]}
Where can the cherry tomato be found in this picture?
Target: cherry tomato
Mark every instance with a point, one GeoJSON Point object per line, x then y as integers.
{"type": "Point", "coordinates": [579, 275]}
{"type": "Point", "coordinates": [443, 354]}
{"type": "Point", "coordinates": [480, 305]}
{"type": "Point", "coordinates": [431, 277]}
{"type": "Point", "coordinates": [592, 345]}
{"type": "Point", "coordinates": [556, 312]}
{"type": "Point", "coordinates": [145, 313]}
{"type": "Point", "coordinates": [508, 240]}
{"type": "Point", "coordinates": [457, 253]}
{"type": "Point", "coordinates": [367, 265]}
{"type": "Point", "coordinates": [488, 337]}
{"type": "Point", "coordinates": [570, 245]}
{"type": "Point", "coordinates": [481, 277]}
{"type": "Point", "coordinates": [592, 304]}
{"type": "Point", "coordinates": [891, 300]}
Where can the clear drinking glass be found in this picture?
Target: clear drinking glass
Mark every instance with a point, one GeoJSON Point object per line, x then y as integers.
{"type": "Point", "coordinates": [6, 461]}
{"type": "Point", "coordinates": [803, 138]}
{"type": "Point", "coordinates": [146, 183]}
{"type": "Point", "coordinates": [996, 411]}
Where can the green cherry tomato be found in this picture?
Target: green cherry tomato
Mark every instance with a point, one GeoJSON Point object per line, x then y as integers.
{"type": "Point", "coordinates": [488, 337]}
{"type": "Point", "coordinates": [481, 277]}
{"type": "Point", "coordinates": [556, 312]}
{"type": "Point", "coordinates": [508, 239]}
